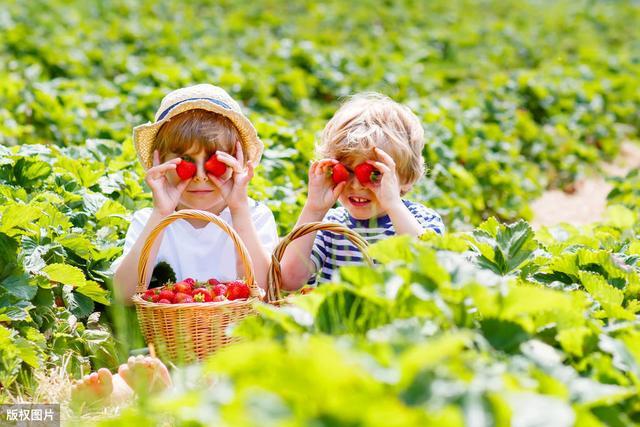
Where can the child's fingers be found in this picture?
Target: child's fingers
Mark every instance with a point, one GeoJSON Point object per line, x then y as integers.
{"type": "Point", "coordinates": [159, 171]}
{"type": "Point", "coordinates": [250, 170]}
{"type": "Point", "coordinates": [216, 181]}
{"type": "Point", "coordinates": [156, 158]}
{"type": "Point", "coordinates": [239, 153]}
{"type": "Point", "coordinates": [182, 185]}
{"type": "Point", "coordinates": [230, 161]}
{"type": "Point", "coordinates": [338, 189]}
{"type": "Point", "coordinates": [380, 166]}
{"type": "Point", "coordinates": [386, 158]}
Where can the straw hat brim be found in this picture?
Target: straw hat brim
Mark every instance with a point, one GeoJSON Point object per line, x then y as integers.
{"type": "Point", "coordinates": [144, 135]}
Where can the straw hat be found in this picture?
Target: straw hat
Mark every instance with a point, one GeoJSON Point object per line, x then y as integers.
{"type": "Point", "coordinates": [204, 97]}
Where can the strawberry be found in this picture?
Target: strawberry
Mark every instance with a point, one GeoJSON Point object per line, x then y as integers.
{"type": "Point", "coordinates": [182, 287]}
{"type": "Point", "coordinates": [339, 173]}
{"type": "Point", "coordinates": [219, 289]}
{"type": "Point", "coordinates": [166, 294]}
{"type": "Point", "coordinates": [213, 282]}
{"type": "Point", "coordinates": [202, 295]}
{"type": "Point", "coordinates": [366, 173]}
{"type": "Point", "coordinates": [238, 290]}
{"type": "Point", "coordinates": [181, 298]}
{"type": "Point", "coordinates": [219, 298]}
{"type": "Point", "coordinates": [151, 295]}
{"type": "Point", "coordinates": [164, 301]}
{"type": "Point", "coordinates": [214, 166]}
{"type": "Point", "coordinates": [186, 170]}
{"type": "Point", "coordinates": [190, 281]}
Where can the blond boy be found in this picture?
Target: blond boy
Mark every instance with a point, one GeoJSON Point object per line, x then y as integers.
{"type": "Point", "coordinates": [370, 129]}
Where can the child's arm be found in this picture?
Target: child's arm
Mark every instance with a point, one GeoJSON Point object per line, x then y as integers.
{"type": "Point", "coordinates": [165, 200]}
{"type": "Point", "coordinates": [296, 265]}
{"type": "Point", "coordinates": [234, 192]}
{"type": "Point", "coordinates": [388, 194]}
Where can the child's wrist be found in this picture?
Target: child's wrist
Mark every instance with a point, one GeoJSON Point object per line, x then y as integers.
{"type": "Point", "coordinates": [313, 213]}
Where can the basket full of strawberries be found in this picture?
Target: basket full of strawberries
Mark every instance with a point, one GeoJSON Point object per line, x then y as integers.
{"type": "Point", "coordinates": [188, 320]}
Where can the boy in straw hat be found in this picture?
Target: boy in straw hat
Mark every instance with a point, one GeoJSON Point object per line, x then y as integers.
{"type": "Point", "coordinates": [372, 156]}
{"type": "Point", "coordinates": [191, 124]}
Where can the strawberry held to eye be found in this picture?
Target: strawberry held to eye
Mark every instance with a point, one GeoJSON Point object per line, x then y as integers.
{"type": "Point", "coordinates": [238, 290]}
{"type": "Point", "coordinates": [214, 166]}
{"type": "Point", "coordinates": [339, 173]}
{"type": "Point", "coordinates": [186, 170]}
{"type": "Point", "coordinates": [366, 173]}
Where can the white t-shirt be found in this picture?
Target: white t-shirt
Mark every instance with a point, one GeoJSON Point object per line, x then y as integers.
{"type": "Point", "coordinates": [202, 253]}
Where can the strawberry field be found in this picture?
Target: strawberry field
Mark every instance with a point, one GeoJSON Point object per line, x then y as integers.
{"type": "Point", "coordinates": [491, 324]}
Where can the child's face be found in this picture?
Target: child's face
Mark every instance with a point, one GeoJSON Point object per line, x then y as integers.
{"type": "Point", "coordinates": [201, 193]}
{"type": "Point", "coordinates": [358, 199]}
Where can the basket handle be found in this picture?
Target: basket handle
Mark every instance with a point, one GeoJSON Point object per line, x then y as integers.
{"type": "Point", "coordinates": [143, 263]}
{"type": "Point", "coordinates": [274, 278]}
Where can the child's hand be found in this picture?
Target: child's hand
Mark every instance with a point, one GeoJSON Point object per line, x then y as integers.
{"type": "Point", "coordinates": [322, 193]}
{"type": "Point", "coordinates": [387, 189]}
{"type": "Point", "coordinates": [233, 184]}
{"type": "Point", "coordinates": [166, 195]}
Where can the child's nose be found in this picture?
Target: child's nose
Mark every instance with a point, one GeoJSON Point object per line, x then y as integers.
{"type": "Point", "coordinates": [201, 172]}
{"type": "Point", "coordinates": [355, 183]}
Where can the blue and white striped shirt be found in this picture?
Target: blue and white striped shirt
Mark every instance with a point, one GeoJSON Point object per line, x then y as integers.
{"type": "Point", "coordinates": [331, 250]}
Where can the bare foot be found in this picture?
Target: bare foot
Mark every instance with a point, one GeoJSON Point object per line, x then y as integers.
{"type": "Point", "coordinates": [92, 390]}
{"type": "Point", "coordinates": [145, 374]}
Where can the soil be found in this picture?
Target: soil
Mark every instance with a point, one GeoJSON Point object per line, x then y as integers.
{"type": "Point", "coordinates": [588, 203]}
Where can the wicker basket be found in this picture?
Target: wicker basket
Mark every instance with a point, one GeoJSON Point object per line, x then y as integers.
{"type": "Point", "coordinates": [182, 333]}
{"type": "Point", "coordinates": [274, 278]}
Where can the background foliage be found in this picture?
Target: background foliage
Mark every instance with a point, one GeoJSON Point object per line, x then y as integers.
{"type": "Point", "coordinates": [515, 97]}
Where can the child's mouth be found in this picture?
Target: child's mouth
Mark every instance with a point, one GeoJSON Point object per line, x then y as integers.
{"type": "Point", "coordinates": [359, 201]}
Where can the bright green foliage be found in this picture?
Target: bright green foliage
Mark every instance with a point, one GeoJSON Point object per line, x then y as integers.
{"type": "Point", "coordinates": [497, 326]}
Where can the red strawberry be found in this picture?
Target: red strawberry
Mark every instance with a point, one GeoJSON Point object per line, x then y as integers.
{"type": "Point", "coordinates": [182, 287]}
{"type": "Point", "coordinates": [166, 294]}
{"type": "Point", "coordinates": [190, 281]}
{"type": "Point", "coordinates": [186, 170]}
{"type": "Point", "coordinates": [238, 290]}
{"type": "Point", "coordinates": [213, 282]}
{"type": "Point", "coordinates": [151, 295]}
{"type": "Point", "coordinates": [219, 289]}
{"type": "Point", "coordinates": [181, 298]}
{"type": "Point", "coordinates": [366, 173]}
{"type": "Point", "coordinates": [214, 166]}
{"type": "Point", "coordinates": [202, 295]}
{"type": "Point", "coordinates": [339, 173]}
{"type": "Point", "coordinates": [164, 301]}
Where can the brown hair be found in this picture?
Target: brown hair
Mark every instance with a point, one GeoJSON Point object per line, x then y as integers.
{"type": "Point", "coordinates": [371, 120]}
{"type": "Point", "coordinates": [196, 130]}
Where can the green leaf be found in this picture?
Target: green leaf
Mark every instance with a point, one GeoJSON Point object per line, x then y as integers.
{"type": "Point", "coordinates": [621, 217]}
{"type": "Point", "coordinates": [8, 256]}
{"type": "Point", "coordinates": [609, 297]}
{"type": "Point", "coordinates": [94, 291]}
{"type": "Point", "coordinates": [29, 172]}
{"type": "Point", "coordinates": [504, 335]}
{"type": "Point", "coordinates": [65, 274]}
{"type": "Point", "coordinates": [18, 216]}
{"type": "Point", "coordinates": [20, 287]}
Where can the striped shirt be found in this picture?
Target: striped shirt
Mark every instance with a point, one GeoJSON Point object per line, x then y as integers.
{"type": "Point", "coordinates": [331, 250]}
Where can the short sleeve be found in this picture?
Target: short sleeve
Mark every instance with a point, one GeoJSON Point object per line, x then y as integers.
{"type": "Point", "coordinates": [428, 218]}
{"type": "Point", "coordinates": [139, 220]}
{"type": "Point", "coordinates": [265, 225]}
